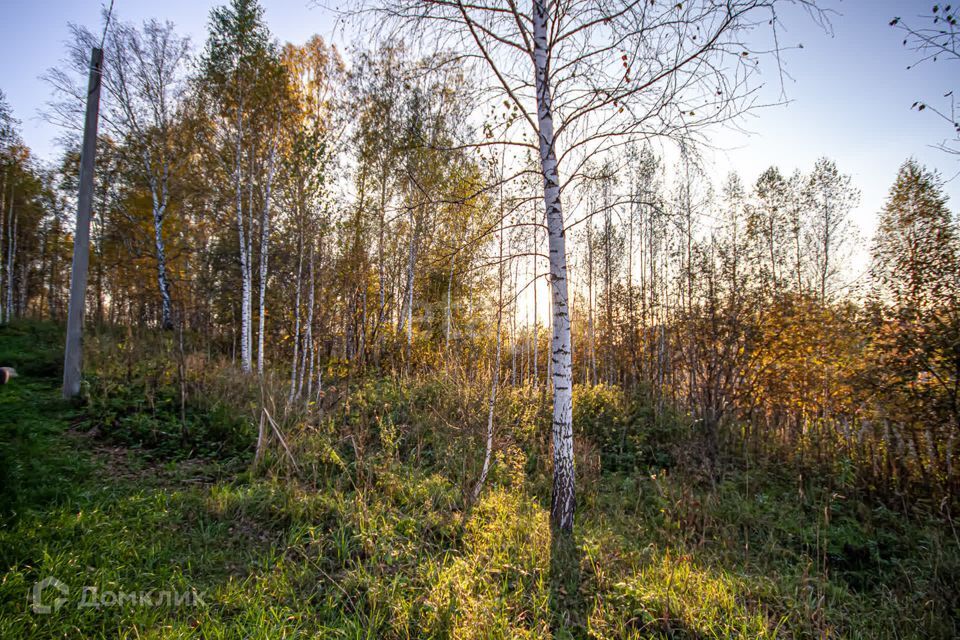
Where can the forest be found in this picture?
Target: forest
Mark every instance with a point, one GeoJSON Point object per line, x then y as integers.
{"type": "Point", "coordinates": [456, 333]}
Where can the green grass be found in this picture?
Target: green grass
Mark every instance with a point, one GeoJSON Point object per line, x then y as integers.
{"type": "Point", "coordinates": [37, 466]}
{"type": "Point", "coordinates": [374, 539]}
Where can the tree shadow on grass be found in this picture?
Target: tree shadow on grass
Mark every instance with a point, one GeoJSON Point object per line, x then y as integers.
{"type": "Point", "coordinates": [568, 606]}
{"type": "Point", "coordinates": [572, 598]}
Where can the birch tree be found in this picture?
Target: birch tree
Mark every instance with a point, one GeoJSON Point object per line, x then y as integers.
{"type": "Point", "coordinates": [768, 223]}
{"type": "Point", "coordinates": [586, 78]}
{"type": "Point", "coordinates": [11, 255]}
{"type": "Point", "coordinates": [314, 71]}
{"type": "Point", "coordinates": [495, 370]}
{"type": "Point", "coordinates": [832, 197]}
{"type": "Point", "coordinates": [144, 81]}
{"type": "Point", "coordinates": [240, 69]}
{"type": "Point", "coordinates": [9, 140]}
{"type": "Point", "coordinates": [376, 99]}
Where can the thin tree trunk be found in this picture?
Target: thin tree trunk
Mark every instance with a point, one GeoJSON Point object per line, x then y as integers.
{"type": "Point", "coordinates": [362, 342]}
{"type": "Point", "coordinates": [100, 259]}
{"type": "Point", "coordinates": [309, 393]}
{"type": "Point", "coordinates": [53, 299]}
{"type": "Point", "coordinates": [244, 258]}
{"type": "Point", "coordinates": [562, 502]}
{"type": "Point", "coordinates": [536, 316]}
{"type": "Point", "coordinates": [264, 256]}
{"type": "Point", "coordinates": [160, 195]}
{"type": "Point", "coordinates": [826, 253]}
{"type": "Point", "coordinates": [24, 289]}
{"type": "Point", "coordinates": [308, 338]}
{"type": "Point", "coordinates": [163, 283]}
{"type": "Point", "coordinates": [631, 311]}
{"type": "Point", "coordinates": [296, 322]}
{"type": "Point", "coordinates": [406, 318]}
{"type": "Point", "coordinates": [608, 283]}
{"type": "Point", "coordinates": [3, 220]}
{"type": "Point", "coordinates": [449, 318]}
{"type": "Point", "coordinates": [4, 310]}
{"type": "Point", "coordinates": [495, 374]}
{"type": "Point", "coordinates": [773, 254]}
{"type": "Point", "coordinates": [248, 274]}
{"type": "Point", "coordinates": [381, 275]}
{"type": "Point", "coordinates": [513, 323]}
{"type": "Point", "coordinates": [11, 258]}
{"type": "Point", "coordinates": [592, 371]}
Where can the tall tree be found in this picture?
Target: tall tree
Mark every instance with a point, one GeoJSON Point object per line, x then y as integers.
{"type": "Point", "coordinates": [144, 82]}
{"type": "Point", "coordinates": [832, 197]}
{"type": "Point", "coordinates": [602, 76]}
{"type": "Point", "coordinates": [240, 71]}
{"type": "Point", "coordinates": [916, 271]}
{"type": "Point", "coordinates": [768, 222]}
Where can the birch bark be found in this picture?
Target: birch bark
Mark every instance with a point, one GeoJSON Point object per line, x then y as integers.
{"type": "Point", "coordinates": [3, 195]}
{"type": "Point", "coordinates": [536, 314]}
{"type": "Point", "coordinates": [264, 254]}
{"type": "Point", "coordinates": [562, 502]}
{"type": "Point", "coordinates": [4, 224]}
{"type": "Point", "coordinates": [244, 258]}
{"type": "Point", "coordinates": [449, 313]}
{"type": "Point", "coordinates": [406, 316]}
{"type": "Point", "coordinates": [160, 199]}
{"type": "Point", "coordinates": [495, 374]}
{"type": "Point", "coordinates": [11, 261]}
{"type": "Point", "coordinates": [308, 338]}
{"type": "Point", "coordinates": [296, 315]}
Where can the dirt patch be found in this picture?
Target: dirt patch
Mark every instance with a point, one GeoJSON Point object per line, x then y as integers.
{"type": "Point", "coordinates": [129, 464]}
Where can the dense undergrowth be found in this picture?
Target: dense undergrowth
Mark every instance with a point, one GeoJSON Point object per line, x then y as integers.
{"type": "Point", "coordinates": [364, 529]}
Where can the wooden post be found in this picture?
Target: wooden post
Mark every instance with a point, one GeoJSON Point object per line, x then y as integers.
{"type": "Point", "coordinates": [81, 240]}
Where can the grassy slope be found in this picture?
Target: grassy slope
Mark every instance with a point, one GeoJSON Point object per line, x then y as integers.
{"type": "Point", "coordinates": [384, 551]}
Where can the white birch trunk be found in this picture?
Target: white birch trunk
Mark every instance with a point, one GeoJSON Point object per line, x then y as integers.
{"type": "Point", "coordinates": [362, 338]}
{"type": "Point", "coordinates": [562, 502]}
{"type": "Point", "coordinates": [296, 321]}
{"type": "Point", "coordinates": [160, 196]}
{"type": "Point", "coordinates": [11, 260]}
{"type": "Point", "coordinates": [24, 283]}
{"type": "Point", "coordinates": [381, 274]}
{"type": "Point", "coordinates": [3, 202]}
{"type": "Point", "coordinates": [309, 394]}
{"type": "Point", "coordinates": [4, 223]}
{"type": "Point", "coordinates": [514, 342]}
{"type": "Point", "coordinates": [248, 273]}
{"type": "Point", "coordinates": [495, 374]}
{"type": "Point", "coordinates": [536, 316]}
{"type": "Point", "coordinates": [308, 338]}
{"type": "Point", "coordinates": [244, 258]}
{"type": "Point", "coordinates": [159, 210]}
{"type": "Point", "coordinates": [592, 371]}
{"type": "Point", "coordinates": [494, 385]}
{"type": "Point", "coordinates": [406, 316]}
{"type": "Point", "coordinates": [264, 255]}
{"type": "Point", "coordinates": [449, 318]}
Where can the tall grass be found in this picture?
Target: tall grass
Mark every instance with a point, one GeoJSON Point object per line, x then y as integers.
{"type": "Point", "coordinates": [373, 532]}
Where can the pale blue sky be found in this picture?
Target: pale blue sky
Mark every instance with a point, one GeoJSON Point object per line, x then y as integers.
{"type": "Point", "coordinates": [850, 99]}
{"type": "Point", "coordinates": [850, 92]}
